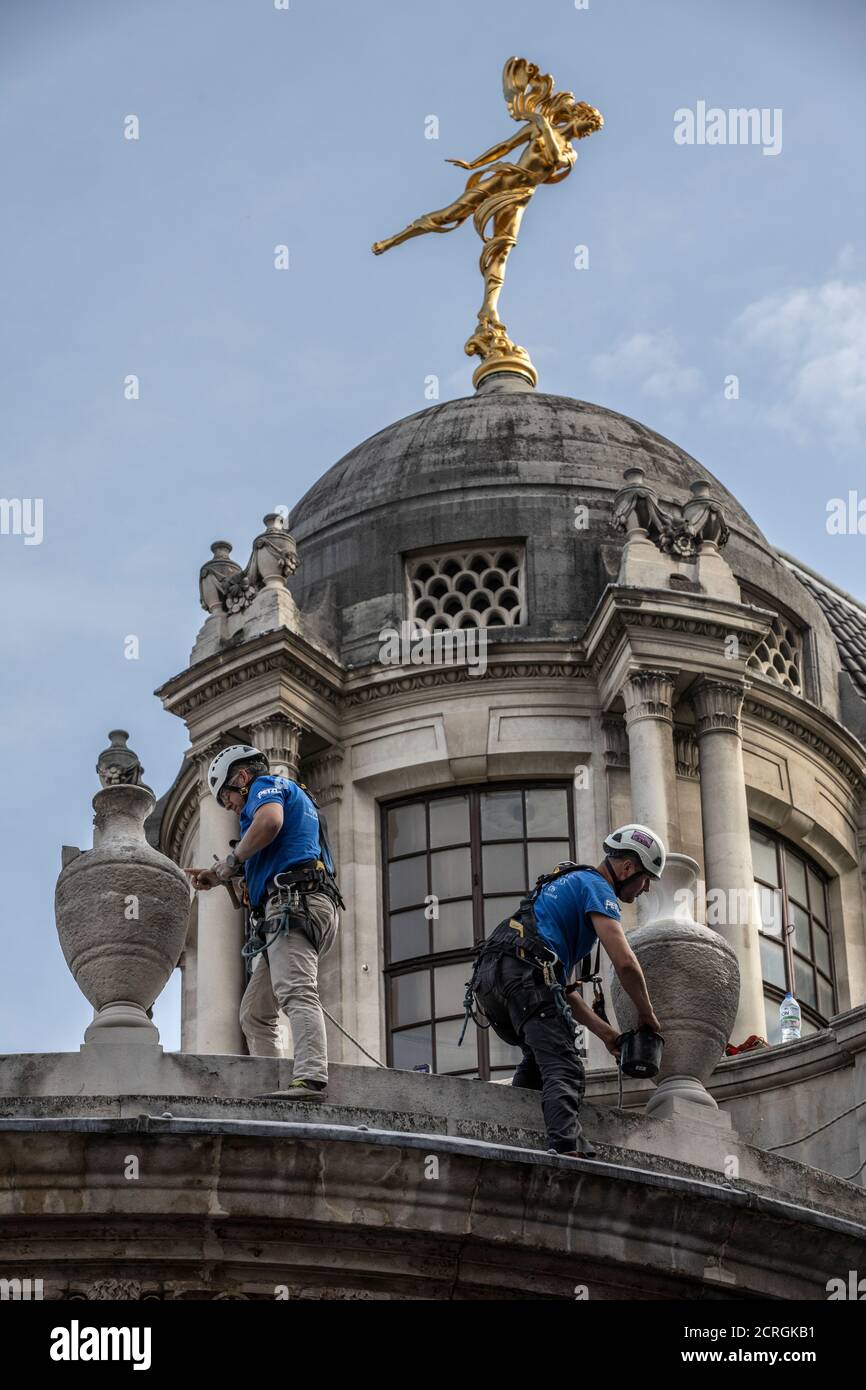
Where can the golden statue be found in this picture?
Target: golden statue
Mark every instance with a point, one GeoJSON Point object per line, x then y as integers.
{"type": "Point", "coordinates": [551, 120]}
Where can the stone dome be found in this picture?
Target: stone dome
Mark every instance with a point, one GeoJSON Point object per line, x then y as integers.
{"type": "Point", "coordinates": [508, 464]}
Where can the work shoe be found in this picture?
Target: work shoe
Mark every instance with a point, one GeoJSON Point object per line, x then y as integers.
{"type": "Point", "coordinates": [584, 1150]}
{"type": "Point", "coordinates": [300, 1090]}
{"type": "Point", "coordinates": [307, 1090]}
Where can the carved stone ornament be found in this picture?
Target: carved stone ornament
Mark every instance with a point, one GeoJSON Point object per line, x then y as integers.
{"type": "Point", "coordinates": [679, 531]}
{"type": "Point", "coordinates": [118, 765]}
{"type": "Point", "coordinates": [694, 981]}
{"type": "Point", "coordinates": [122, 912]}
{"type": "Point", "coordinates": [116, 1290]}
{"type": "Point", "coordinates": [216, 575]}
{"type": "Point", "coordinates": [717, 706]}
{"type": "Point", "coordinates": [648, 695]}
{"type": "Point", "coordinates": [223, 585]}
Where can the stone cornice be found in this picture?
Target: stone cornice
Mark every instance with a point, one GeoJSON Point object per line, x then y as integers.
{"type": "Point", "coordinates": [406, 681]}
{"type": "Point", "coordinates": [767, 1068]}
{"type": "Point", "coordinates": [275, 652]}
{"type": "Point", "coordinates": [809, 725]}
{"type": "Point", "coordinates": [624, 613]}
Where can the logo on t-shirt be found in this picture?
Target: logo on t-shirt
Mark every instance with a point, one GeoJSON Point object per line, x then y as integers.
{"type": "Point", "coordinates": [266, 791]}
{"type": "Point", "coordinates": [614, 907]}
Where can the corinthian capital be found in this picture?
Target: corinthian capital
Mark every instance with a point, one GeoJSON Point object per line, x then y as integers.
{"type": "Point", "coordinates": [717, 706]}
{"type": "Point", "coordinates": [648, 695]}
{"type": "Point", "coordinates": [279, 737]}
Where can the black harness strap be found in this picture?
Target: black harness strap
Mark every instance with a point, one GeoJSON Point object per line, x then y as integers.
{"type": "Point", "coordinates": [536, 950]}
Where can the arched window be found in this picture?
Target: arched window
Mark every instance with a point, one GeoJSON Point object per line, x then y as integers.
{"type": "Point", "coordinates": [455, 865]}
{"type": "Point", "coordinates": [796, 946]}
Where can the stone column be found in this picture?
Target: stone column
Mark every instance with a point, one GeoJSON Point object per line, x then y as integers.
{"type": "Point", "coordinates": [727, 847]}
{"type": "Point", "coordinates": [648, 697]}
{"type": "Point", "coordinates": [219, 968]}
{"type": "Point", "coordinates": [279, 737]}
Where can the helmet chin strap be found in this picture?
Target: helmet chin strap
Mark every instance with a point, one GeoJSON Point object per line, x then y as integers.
{"type": "Point", "coordinates": [617, 883]}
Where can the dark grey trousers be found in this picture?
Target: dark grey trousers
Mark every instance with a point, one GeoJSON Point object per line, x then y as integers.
{"type": "Point", "coordinates": [523, 1011]}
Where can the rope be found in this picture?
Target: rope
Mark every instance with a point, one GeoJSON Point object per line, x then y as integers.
{"type": "Point", "coordinates": [791, 1142]}
{"type": "Point", "coordinates": [351, 1039]}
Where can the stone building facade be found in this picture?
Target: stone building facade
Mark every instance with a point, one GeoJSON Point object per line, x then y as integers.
{"type": "Point", "coordinates": [648, 655]}
{"type": "Point", "coordinates": [487, 635]}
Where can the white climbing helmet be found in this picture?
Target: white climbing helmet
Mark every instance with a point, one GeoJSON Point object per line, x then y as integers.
{"type": "Point", "coordinates": [643, 843]}
{"type": "Point", "coordinates": [217, 773]}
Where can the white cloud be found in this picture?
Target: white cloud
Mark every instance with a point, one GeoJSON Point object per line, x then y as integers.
{"type": "Point", "coordinates": [813, 343]}
{"type": "Point", "coordinates": [654, 362]}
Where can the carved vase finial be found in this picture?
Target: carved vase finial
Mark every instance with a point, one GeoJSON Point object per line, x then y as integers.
{"type": "Point", "coordinates": [118, 764]}
{"type": "Point", "coordinates": [122, 909]}
{"type": "Point", "coordinates": [693, 979]}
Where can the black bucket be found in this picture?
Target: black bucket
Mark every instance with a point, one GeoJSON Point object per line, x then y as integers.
{"type": "Point", "coordinates": [640, 1052]}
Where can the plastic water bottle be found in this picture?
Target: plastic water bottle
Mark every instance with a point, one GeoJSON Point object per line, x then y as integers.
{"type": "Point", "coordinates": [789, 1018]}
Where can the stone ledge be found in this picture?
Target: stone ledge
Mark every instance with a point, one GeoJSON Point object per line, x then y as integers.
{"type": "Point", "coordinates": [438, 1107]}
{"type": "Point", "coordinates": [241, 1207]}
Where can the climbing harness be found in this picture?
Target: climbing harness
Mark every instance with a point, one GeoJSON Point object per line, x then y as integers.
{"type": "Point", "coordinates": [533, 948]}
{"type": "Point", "coordinates": [289, 891]}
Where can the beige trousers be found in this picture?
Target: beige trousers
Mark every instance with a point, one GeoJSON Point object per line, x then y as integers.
{"type": "Point", "coordinates": [286, 978]}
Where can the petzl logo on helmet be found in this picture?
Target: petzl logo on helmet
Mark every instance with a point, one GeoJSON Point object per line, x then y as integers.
{"type": "Point", "coordinates": [641, 839]}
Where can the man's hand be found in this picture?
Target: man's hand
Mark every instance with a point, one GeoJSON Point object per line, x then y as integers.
{"type": "Point", "coordinates": [223, 870]}
{"type": "Point", "coordinates": [609, 1038]}
{"type": "Point", "coordinates": [202, 878]}
{"type": "Point", "coordinates": [649, 1021]}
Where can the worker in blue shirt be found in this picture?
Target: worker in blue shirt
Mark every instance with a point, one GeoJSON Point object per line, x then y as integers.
{"type": "Point", "coordinates": [519, 982]}
{"type": "Point", "coordinates": [293, 898]}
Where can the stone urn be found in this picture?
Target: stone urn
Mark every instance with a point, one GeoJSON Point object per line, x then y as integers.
{"type": "Point", "coordinates": [275, 555]}
{"type": "Point", "coordinates": [694, 984]}
{"type": "Point", "coordinates": [122, 911]}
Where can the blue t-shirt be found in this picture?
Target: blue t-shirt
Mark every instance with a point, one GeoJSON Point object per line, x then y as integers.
{"type": "Point", "coordinates": [298, 838]}
{"type": "Point", "coordinates": [562, 911]}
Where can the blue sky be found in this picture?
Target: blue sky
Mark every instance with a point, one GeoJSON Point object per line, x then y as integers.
{"type": "Point", "coordinates": [261, 127]}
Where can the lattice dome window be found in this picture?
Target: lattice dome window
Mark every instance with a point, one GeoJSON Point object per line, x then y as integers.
{"type": "Point", "coordinates": [471, 588]}
{"type": "Point", "coordinates": [779, 656]}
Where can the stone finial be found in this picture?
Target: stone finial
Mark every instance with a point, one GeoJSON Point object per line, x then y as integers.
{"type": "Point", "coordinates": [703, 517]}
{"type": "Point", "coordinates": [122, 908]}
{"type": "Point", "coordinates": [693, 979]}
{"type": "Point", "coordinates": [225, 587]}
{"type": "Point", "coordinates": [275, 555]}
{"type": "Point", "coordinates": [681, 532]}
{"type": "Point", "coordinates": [215, 575]}
{"type": "Point", "coordinates": [636, 508]}
{"type": "Point", "coordinates": [119, 765]}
